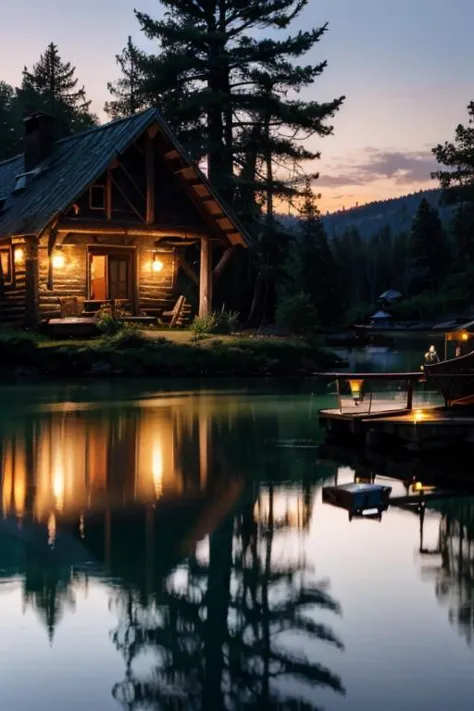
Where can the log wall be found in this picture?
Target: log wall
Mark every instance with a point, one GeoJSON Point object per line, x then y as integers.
{"type": "Point", "coordinates": [12, 300]}
{"type": "Point", "coordinates": [154, 291]}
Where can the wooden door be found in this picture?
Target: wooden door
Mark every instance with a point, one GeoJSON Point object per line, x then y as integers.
{"type": "Point", "coordinates": [119, 276]}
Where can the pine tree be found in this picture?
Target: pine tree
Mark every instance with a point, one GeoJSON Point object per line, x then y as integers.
{"type": "Point", "coordinates": [458, 159]}
{"type": "Point", "coordinates": [53, 87]}
{"type": "Point", "coordinates": [211, 65]}
{"type": "Point", "coordinates": [127, 90]}
{"type": "Point", "coordinates": [312, 268]}
{"type": "Point", "coordinates": [428, 246]}
{"type": "Point", "coordinates": [10, 122]}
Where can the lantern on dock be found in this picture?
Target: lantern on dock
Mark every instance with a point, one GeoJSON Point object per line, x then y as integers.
{"type": "Point", "coordinates": [356, 386]}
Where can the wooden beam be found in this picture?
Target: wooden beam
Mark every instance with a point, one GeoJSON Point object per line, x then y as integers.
{"type": "Point", "coordinates": [187, 269]}
{"type": "Point", "coordinates": [205, 279]}
{"type": "Point", "coordinates": [172, 155]}
{"type": "Point", "coordinates": [52, 237]}
{"type": "Point", "coordinates": [127, 199]}
{"type": "Point", "coordinates": [150, 180]}
{"type": "Point", "coordinates": [131, 179]}
{"type": "Point", "coordinates": [31, 281]}
{"type": "Point", "coordinates": [222, 263]}
{"type": "Point", "coordinates": [97, 227]}
{"type": "Point", "coordinates": [108, 196]}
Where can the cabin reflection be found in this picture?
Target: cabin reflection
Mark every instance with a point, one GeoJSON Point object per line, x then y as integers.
{"type": "Point", "coordinates": [67, 463]}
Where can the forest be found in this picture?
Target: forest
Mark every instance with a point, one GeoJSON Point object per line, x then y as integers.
{"type": "Point", "coordinates": [232, 80]}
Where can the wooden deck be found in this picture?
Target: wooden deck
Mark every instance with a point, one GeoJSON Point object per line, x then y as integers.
{"type": "Point", "coordinates": [377, 408]}
{"type": "Point", "coordinates": [403, 419]}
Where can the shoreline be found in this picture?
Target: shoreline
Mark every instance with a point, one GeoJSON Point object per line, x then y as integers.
{"type": "Point", "coordinates": [23, 356]}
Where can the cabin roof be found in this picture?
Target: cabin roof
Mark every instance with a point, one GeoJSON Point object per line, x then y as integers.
{"type": "Point", "coordinates": [79, 160]}
{"type": "Point", "coordinates": [390, 295]}
{"type": "Point", "coordinates": [381, 314]}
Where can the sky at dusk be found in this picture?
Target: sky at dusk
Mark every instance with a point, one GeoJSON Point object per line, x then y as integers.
{"type": "Point", "coordinates": [405, 66]}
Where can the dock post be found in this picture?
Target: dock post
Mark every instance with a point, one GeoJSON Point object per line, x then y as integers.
{"type": "Point", "coordinates": [410, 394]}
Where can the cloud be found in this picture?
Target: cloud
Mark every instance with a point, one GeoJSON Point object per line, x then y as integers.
{"type": "Point", "coordinates": [401, 168]}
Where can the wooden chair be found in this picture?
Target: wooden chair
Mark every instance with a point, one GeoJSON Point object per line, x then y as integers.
{"type": "Point", "coordinates": [68, 306]}
{"type": "Point", "coordinates": [174, 316]}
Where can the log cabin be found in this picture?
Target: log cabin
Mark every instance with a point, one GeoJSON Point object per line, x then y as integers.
{"type": "Point", "coordinates": [107, 215]}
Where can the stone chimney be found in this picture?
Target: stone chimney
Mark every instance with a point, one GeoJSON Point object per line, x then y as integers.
{"type": "Point", "coordinates": [39, 138]}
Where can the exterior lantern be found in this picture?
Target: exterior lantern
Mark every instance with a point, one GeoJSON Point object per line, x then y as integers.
{"type": "Point", "coordinates": [356, 390]}
{"type": "Point", "coordinates": [19, 255]}
{"type": "Point", "coordinates": [59, 260]}
{"type": "Point", "coordinates": [157, 264]}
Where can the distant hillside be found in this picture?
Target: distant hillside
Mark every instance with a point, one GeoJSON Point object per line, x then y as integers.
{"type": "Point", "coordinates": [397, 213]}
{"type": "Point", "coordinates": [368, 219]}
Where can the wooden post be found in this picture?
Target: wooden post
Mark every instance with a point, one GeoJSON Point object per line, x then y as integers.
{"type": "Point", "coordinates": [410, 394]}
{"type": "Point", "coordinates": [205, 279]}
{"type": "Point", "coordinates": [222, 263]}
{"type": "Point", "coordinates": [108, 196]}
{"type": "Point", "coordinates": [150, 180]}
{"type": "Point", "coordinates": [31, 281]}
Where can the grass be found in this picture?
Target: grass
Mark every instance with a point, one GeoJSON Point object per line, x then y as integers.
{"type": "Point", "coordinates": [164, 353]}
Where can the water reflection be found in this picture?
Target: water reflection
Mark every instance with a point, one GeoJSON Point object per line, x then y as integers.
{"type": "Point", "coordinates": [219, 630]}
{"type": "Point", "coordinates": [452, 565]}
{"type": "Point", "coordinates": [195, 521]}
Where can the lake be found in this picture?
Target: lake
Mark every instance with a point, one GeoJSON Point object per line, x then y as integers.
{"type": "Point", "coordinates": [170, 550]}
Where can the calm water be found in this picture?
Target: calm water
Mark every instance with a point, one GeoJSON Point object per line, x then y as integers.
{"type": "Point", "coordinates": [171, 551]}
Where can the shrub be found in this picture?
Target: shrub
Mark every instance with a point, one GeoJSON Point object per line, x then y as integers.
{"type": "Point", "coordinates": [221, 322]}
{"type": "Point", "coordinates": [107, 322]}
{"type": "Point", "coordinates": [17, 347]}
{"type": "Point", "coordinates": [297, 314]}
{"type": "Point", "coordinates": [128, 336]}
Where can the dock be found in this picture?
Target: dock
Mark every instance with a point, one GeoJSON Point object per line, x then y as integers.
{"type": "Point", "coordinates": [394, 415]}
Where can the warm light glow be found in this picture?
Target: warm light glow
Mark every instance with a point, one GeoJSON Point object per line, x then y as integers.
{"type": "Point", "coordinates": [157, 264]}
{"type": "Point", "coordinates": [419, 487]}
{"type": "Point", "coordinates": [51, 529]}
{"type": "Point", "coordinates": [465, 336]}
{"type": "Point", "coordinates": [59, 260]}
{"type": "Point", "coordinates": [356, 389]}
{"type": "Point", "coordinates": [58, 486]}
{"type": "Point", "coordinates": [157, 469]}
{"type": "Point", "coordinates": [19, 255]}
{"type": "Point", "coordinates": [418, 416]}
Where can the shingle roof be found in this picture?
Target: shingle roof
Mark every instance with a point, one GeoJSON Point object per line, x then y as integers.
{"type": "Point", "coordinates": [76, 162]}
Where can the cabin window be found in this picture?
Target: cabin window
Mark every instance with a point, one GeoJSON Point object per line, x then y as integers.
{"type": "Point", "coordinates": [6, 263]}
{"type": "Point", "coordinates": [97, 197]}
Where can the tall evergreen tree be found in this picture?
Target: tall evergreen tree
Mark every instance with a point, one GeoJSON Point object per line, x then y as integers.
{"type": "Point", "coordinates": [428, 246]}
{"type": "Point", "coordinates": [457, 157]}
{"type": "Point", "coordinates": [312, 267]}
{"type": "Point", "coordinates": [52, 87]}
{"type": "Point", "coordinates": [127, 90]}
{"type": "Point", "coordinates": [208, 73]}
{"type": "Point", "coordinates": [10, 122]}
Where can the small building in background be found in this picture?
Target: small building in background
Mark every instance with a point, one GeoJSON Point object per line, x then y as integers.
{"type": "Point", "coordinates": [381, 319]}
{"type": "Point", "coordinates": [391, 296]}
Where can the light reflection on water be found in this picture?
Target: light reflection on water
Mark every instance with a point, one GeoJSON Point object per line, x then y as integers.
{"type": "Point", "coordinates": [166, 552]}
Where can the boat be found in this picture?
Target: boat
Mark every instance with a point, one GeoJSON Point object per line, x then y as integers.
{"type": "Point", "coordinates": [454, 377]}
{"type": "Point", "coordinates": [366, 500]}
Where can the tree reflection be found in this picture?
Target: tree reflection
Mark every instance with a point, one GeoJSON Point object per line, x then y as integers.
{"type": "Point", "coordinates": [227, 632]}
{"type": "Point", "coordinates": [452, 563]}
{"type": "Point", "coordinates": [455, 576]}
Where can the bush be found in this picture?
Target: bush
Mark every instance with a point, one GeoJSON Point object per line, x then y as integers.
{"type": "Point", "coordinates": [297, 314]}
{"type": "Point", "coordinates": [220, 322]}
{"type": "Point", "coordinates": [17, 347]}
{"type": "Point", "coordinates": [107, 324]}
{"type": "Point", "coordinates": [128, 336]}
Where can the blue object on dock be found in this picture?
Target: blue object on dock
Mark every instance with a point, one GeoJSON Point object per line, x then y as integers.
{"type": "Point", "coordinates": [358, 498]}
